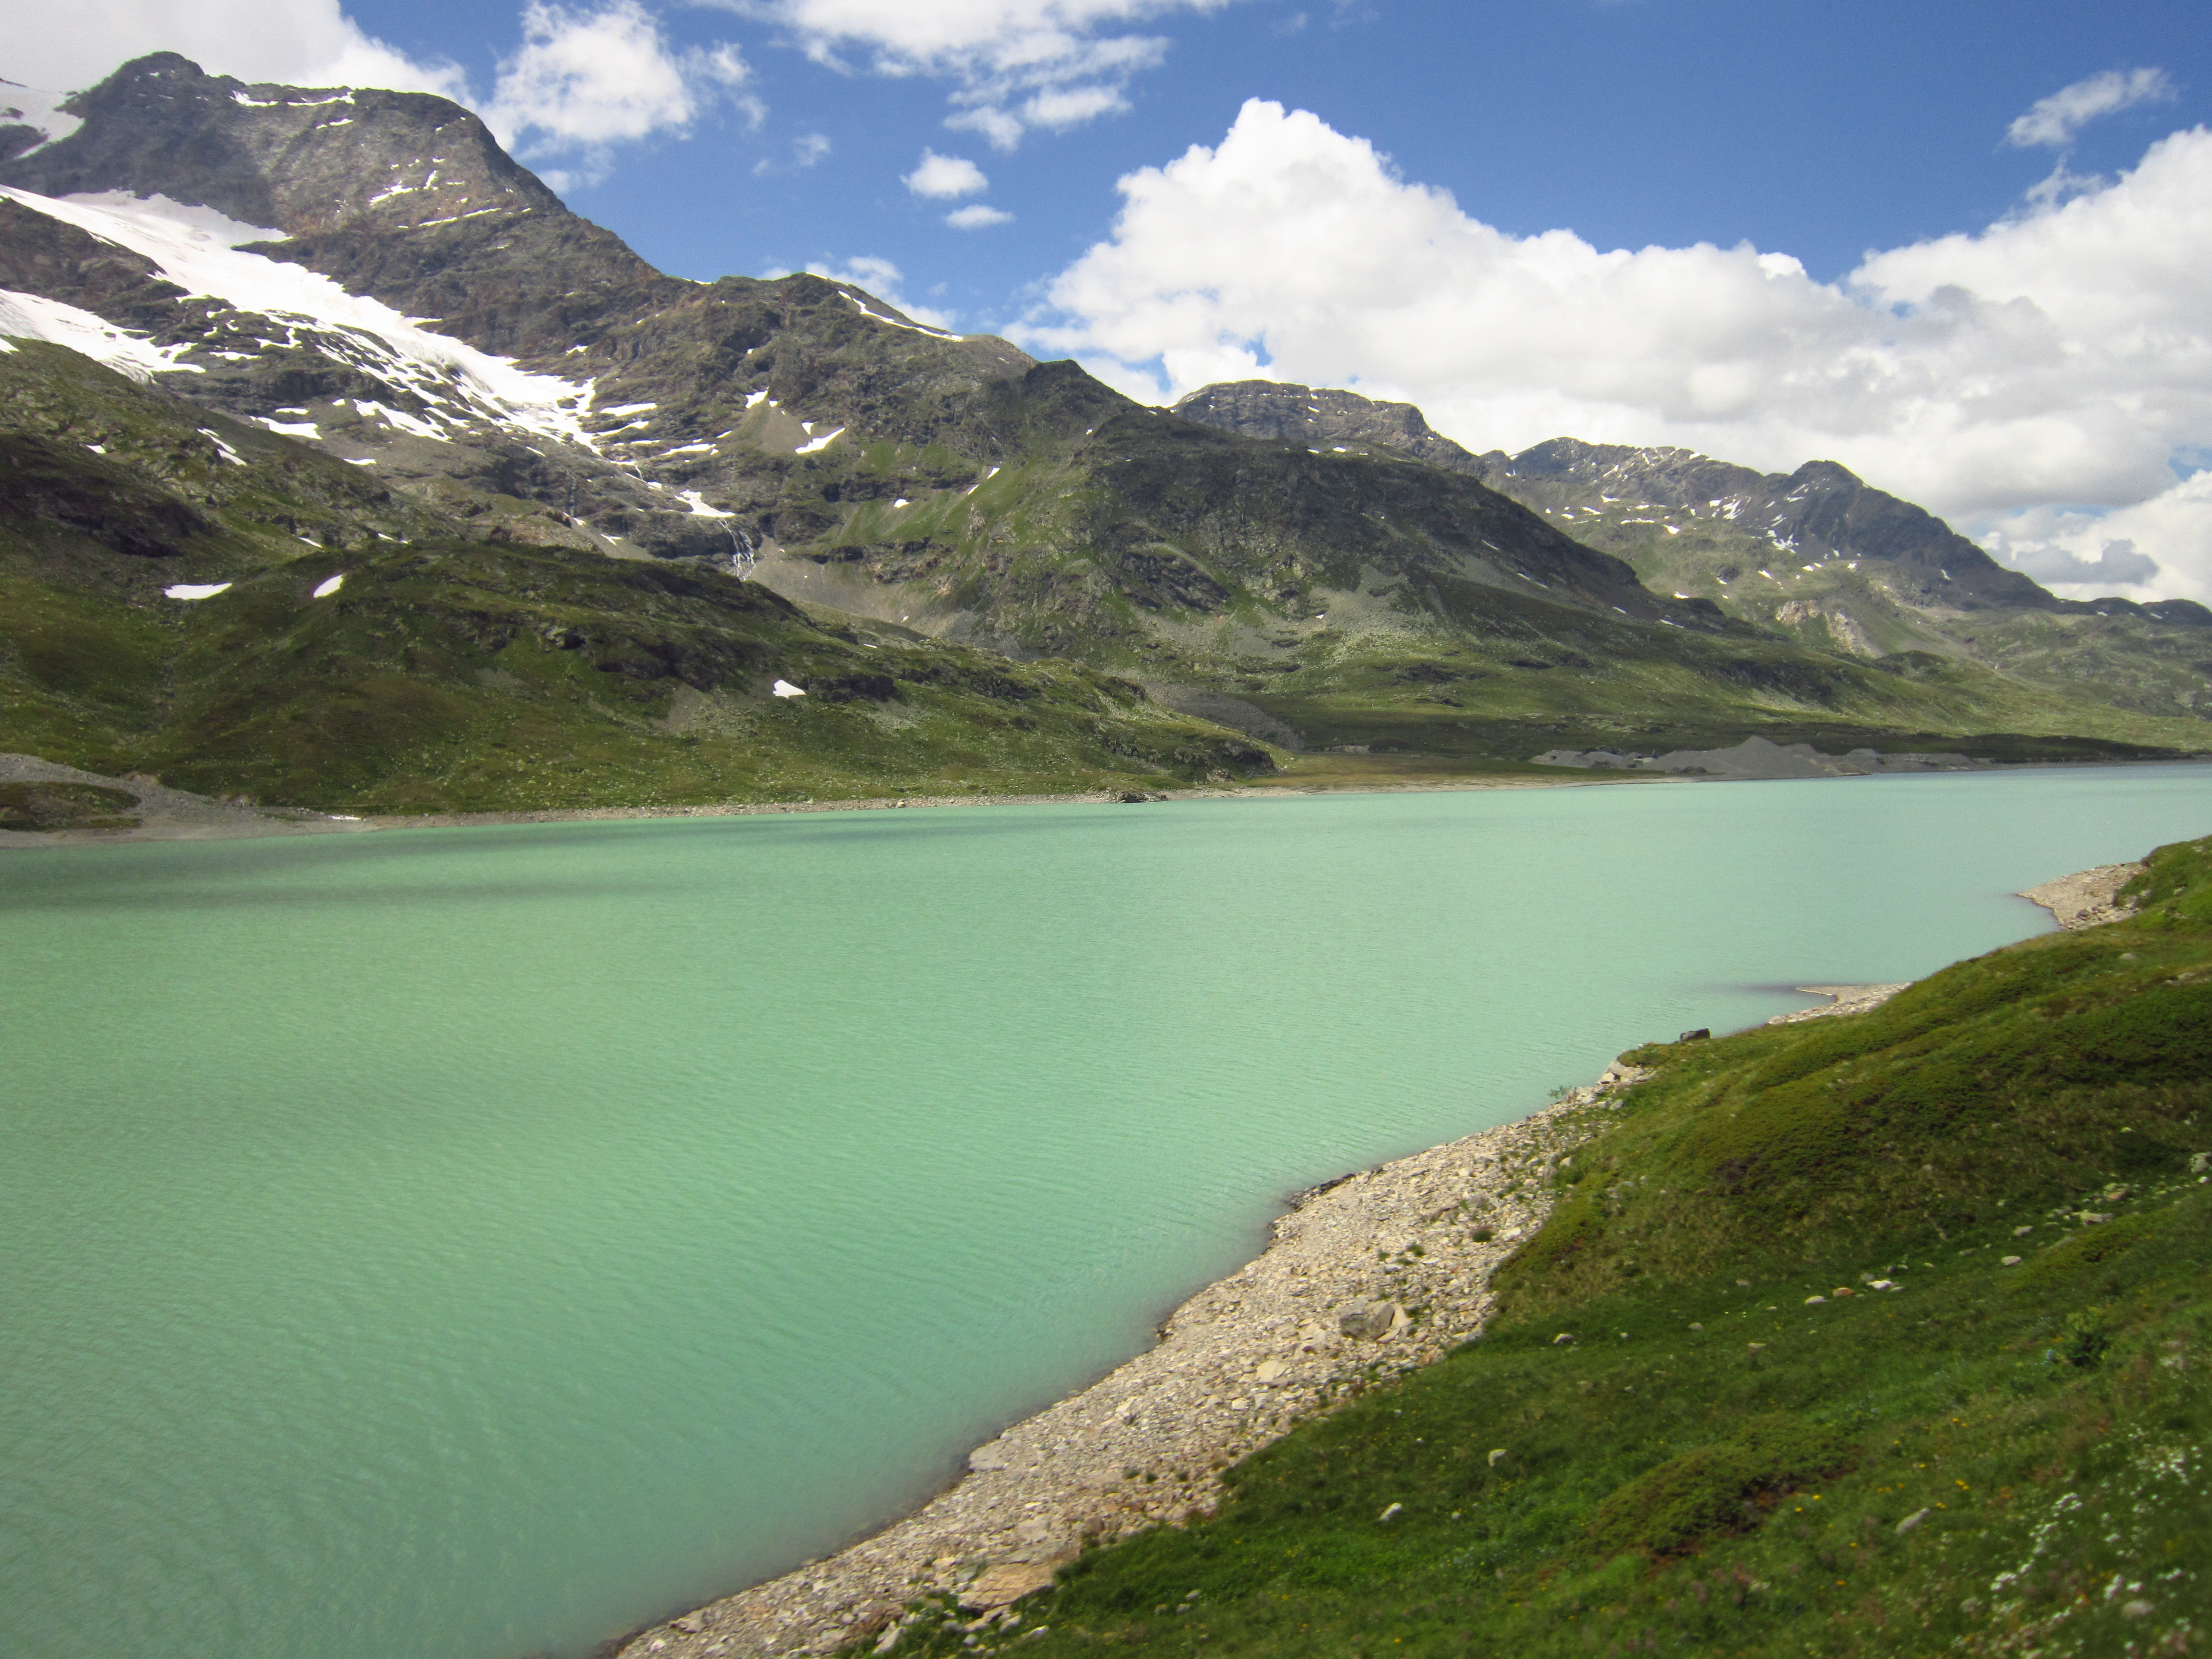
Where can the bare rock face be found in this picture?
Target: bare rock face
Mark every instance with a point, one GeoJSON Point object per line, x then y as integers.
{"type": "Point", "coordinates": [1321, 415]}
{"type": "Point", "coordinates": [306, 160]}
{"type": "Point", "coordinates": [402, 195]}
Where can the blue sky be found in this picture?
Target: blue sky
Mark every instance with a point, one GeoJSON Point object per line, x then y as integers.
{"type": "Point", "coordinates": [1960, 248]}
{"type": "Point", "coordinates": [1819, 130]}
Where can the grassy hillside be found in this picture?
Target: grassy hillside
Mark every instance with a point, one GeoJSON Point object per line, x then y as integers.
{"type": "Point", "coordinates": [451, 671]}
{"type": "Point", "coordinates": [1769, 1381]}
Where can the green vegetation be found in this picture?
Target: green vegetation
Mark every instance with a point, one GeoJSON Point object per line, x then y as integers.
{"type": "Point", "coordinates": [484, 655]}
{"type": "Point", "coordinates": [65, 806]}
{"type": "Point", "coordinates": [1335, 593]}
{"type": "Point", "coordinates": [450, 672]}
{"type": "Point", "coordinates": [1771, 1380]}
{"type": "Point", "coordinates": [1858, 608]}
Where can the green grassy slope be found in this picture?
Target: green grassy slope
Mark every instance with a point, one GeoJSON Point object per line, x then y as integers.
{"type": "Point", "coordinates": [1697, 1456]}
{"type": "Point", "coordinates": [452, 672]}
{"type": "Point", "coordinates": [1365, 597]}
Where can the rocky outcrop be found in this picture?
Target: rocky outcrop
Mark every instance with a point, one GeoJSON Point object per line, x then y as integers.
{"type": "Point", "coordinates": [2087, 898]}
{"type": "Point", "coordinates": [1322, 416]}
{"type": "Point", "coordinates": [1842, 1000]}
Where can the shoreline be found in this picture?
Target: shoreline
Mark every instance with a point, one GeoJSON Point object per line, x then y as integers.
{"type": "Point", "coordinates": [1337, 1300]}
{"type": "Point", "coordinates": [179, 815]}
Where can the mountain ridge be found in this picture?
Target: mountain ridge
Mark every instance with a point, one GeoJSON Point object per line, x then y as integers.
{"type": "Point", "coordinates": [888, 479]}
{"type": "Point", "coordinates": [1889, 577]}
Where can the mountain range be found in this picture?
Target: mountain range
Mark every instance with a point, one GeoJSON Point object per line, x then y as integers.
{"type": "Point", "coordinates": [341, 464]}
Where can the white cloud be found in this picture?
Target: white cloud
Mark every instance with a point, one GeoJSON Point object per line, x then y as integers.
{"type": "Point", "coordinates": [585, 80]}
{"type": "Point", "coordinates": [297, 42]}
{"type": "Point", "coordinates": [946, 175]}
{"type": "Point", "coordinates": [2053, 121]}
{"type": "Point", "coordinates": [1013, 63]}
{"type": "Point", "coordinates": [2081, 553]}
{"type": "Point", "coordinates": [809, 149]}
{"type": "Point", "coordinates": [1068, 106]}
{"type": "Point", "coordinates": [2058, 359]}
{"type": "Point", "coordinates": [976, 216]}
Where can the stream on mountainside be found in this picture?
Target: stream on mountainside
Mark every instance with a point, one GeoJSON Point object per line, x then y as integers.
{"type": "Point", "coordinates": [471, 1242]}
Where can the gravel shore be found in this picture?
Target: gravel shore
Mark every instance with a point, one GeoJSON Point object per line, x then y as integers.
{"type": "Point", "coordinates": [2087, 898]}
{"type": "Point", "coordinates": [1366, 1277]}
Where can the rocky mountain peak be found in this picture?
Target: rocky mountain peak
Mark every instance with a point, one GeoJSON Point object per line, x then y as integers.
{"type": "Point", "coordinates": [401, 196]}
{"type": "Point", "coordinates": [1320, 415]}
{"type": "Point", "coordinates": [304, 161]}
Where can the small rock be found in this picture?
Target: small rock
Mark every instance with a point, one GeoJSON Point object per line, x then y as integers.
{"type": "Point", "coordinates": [2138, 1609]}
{"type": "Point", "coordinates": [1841, 1290]}
{"type": "Point", "coordinates": [1391, 1513]}
{"type": "Point", "coordinates": [888, 1639]}
{"type": "Point", "coordinates": [2114, 1194]}
{"type": "Point", "coordinates": [1269, 1370]}
{"type": "Point", "coordinates": [1810, 1300]}
{"type": "Point", "coordinates": [1698, 1036]}
{"type": "Point", "coordinates": [691, 1624]}
{"type": "Point", "coordinates": [2010, 1262]}
{"type": "Point", "coordinates": [1910, 1521]}
{"type": "Point", "coordinates": [2022, 1232]}
{"type": "Point", "coordinates": [1004, 1583]}
{"type": "Point", "coordinates": [2090, 1217]}
{"type": "Point", "coordinates": [2200, 1163]}
{"type": "Point", "coordinates": [1757, 1345]}
{"type": "Point", "coordinates": [1496, 1452]}
{"type": "Point", "coordinates": [1563, 1336]}
{"type": "Point", "coordinates": [1695, 1327]}
{"type": "Point", "coordinates": [984, 1459]}
{"type": "Point", "coordinates": [1367, 1320]}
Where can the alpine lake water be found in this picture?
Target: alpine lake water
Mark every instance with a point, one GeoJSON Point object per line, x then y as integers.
{"type": "Point", "coordinates": [470, 1243]}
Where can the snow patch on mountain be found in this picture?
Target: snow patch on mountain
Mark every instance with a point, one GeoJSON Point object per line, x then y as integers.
{"type": "Point", "coordinates": [203, 252]}
{"type": "Point", "coordinates": [36, 108]}
{"type": "Point", "coordinates": [31, 317]}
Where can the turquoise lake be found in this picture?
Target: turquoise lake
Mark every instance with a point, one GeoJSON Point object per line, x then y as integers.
{"type": "Point", "coordinates": [463, 1244]}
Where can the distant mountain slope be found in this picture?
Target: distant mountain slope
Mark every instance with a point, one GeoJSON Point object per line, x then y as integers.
{"type": "Point", "coordinates": [1816, 556]}
{"type": "Point", "coordinates": [267, 255]}
{"type": "Point", "coordinates": [233, 610]}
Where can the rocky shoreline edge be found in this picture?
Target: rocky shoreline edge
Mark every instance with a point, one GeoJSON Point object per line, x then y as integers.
{"type": "Point", "coordinates": [1367, 1276]}
{"type": "Point", "coordinates": [166, 814]}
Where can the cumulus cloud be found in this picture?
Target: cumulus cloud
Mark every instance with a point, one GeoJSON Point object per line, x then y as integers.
{"type": "Point", "coordinates": [298, 42]}
{"type": "Point", "coordinates": [2053, 121]}
{"type": "Point", "coordinates": [1014, 65]}
{"type": "Point", "coordinates": [976, 216]}
{"type": "Point", "coordinates": [584, 79]}
{"type": "Point", "coordinates": [946, 175]}
{"type": "Point", "coordinates": [2081, 553]}
{"type": "Point", "coordinates": [2059, 359]}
